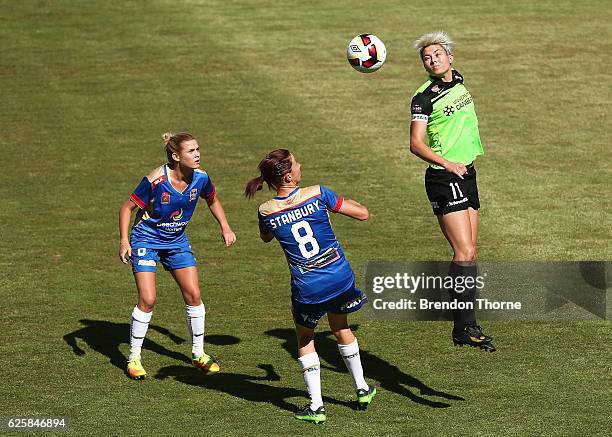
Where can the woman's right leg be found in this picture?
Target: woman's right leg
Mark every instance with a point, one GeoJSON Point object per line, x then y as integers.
{"type": "Point", "coordinates": [141, 316]}
{"type": "Point", "coordinates": [457, 228]}
{"type": "Point", "coordinates": [147, 290]}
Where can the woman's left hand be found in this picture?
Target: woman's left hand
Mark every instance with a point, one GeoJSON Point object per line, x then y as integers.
{"type": "Point", "coordinates": [228, 237]}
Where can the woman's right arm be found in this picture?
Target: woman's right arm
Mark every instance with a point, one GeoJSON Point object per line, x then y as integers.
{"type": "Point", "coordinates": [125, 216]}
{"type": "Point", "coordinates": [418, 129]}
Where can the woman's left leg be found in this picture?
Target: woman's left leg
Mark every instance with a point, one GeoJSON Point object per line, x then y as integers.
{"type": "Point", "coordinates": [308, 359]}
{"type": "Point", "coordinates": [474, 225]}
{"type": "Point", "coordinates": [195, 314]}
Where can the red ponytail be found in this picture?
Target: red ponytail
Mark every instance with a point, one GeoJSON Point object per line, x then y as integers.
{"type": "Point", "coordinates": [253, 186]}
{"type": "Point", "coordinates": [273, 167]}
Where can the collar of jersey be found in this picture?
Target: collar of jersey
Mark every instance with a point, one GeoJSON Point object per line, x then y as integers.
{"type": "Point", "coordinates": [288, 195]}
{"type": "Point", "coordinates": [170, 183]}
{"type": "Point", "coordinates": [457, 78]}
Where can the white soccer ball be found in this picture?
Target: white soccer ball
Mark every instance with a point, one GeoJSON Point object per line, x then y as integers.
{"type": "Point", "coordinates": [366, 53]}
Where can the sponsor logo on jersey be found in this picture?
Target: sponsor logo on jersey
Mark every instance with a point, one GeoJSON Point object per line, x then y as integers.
{"type": "Point", "coordinates": [329, 256]}
{"type": "Point", "coordinates": [177, 215]}
{"type": "Point", "coordinates": [193, 194]}
{"type": "Point", "coordinates": [448, 110]}
{"type": "Point", "coordinates": [158, 181]}
{"type": "Point", "coordinates": [420, 117]}
{"type": "Point", "coordinates": [463, 101]}
{"type": "Point", "coordinates": [165, 198]}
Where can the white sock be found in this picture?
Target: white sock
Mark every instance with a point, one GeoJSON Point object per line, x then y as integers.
{"type": "Point", "coordinates": [195, 325]}
{"type": "Point", "coordinates": [138, 330]}
{"type": "Point", "coordinates": [350, 355]}
{"type": "Point", "coordinates": [311, 367]}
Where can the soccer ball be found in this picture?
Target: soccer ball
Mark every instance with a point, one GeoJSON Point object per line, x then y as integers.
{"type": "Point", "coordinates": [366, 53]}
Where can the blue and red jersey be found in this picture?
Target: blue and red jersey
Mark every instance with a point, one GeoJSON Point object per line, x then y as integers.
{"type": "Point", "coordinates": [165, 212]}
{"type": "Point", "coordinates": [300, 222]}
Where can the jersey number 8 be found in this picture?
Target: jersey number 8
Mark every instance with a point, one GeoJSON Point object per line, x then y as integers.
{"type": "Point", "coordinates": [304, 240]}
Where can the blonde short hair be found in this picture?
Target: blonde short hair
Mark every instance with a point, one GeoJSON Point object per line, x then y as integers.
{"type": "Point", "coordinates": [440, 38]}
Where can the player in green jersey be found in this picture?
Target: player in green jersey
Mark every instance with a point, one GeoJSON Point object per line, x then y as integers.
{"type": "Point", "coordinates": [443, 110]}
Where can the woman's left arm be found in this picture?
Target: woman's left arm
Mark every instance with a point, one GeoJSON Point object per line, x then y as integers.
{"type": "Point", "coordinates": [217, 211]}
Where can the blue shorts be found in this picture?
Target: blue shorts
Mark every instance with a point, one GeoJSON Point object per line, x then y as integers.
{"type": "Point", "coordinates": [308, 315]}
{"type": "Point", "coordinates": [145, 260]}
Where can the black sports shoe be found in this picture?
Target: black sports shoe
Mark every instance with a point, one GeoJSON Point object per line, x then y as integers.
{"type": "Point", "coordinates": [473, 336]}
{"type": "Point", "coordinates": [306, 414]}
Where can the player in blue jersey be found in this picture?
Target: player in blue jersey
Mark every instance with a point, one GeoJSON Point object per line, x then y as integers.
{"type": "Point", "coordinates": [322, 280]}
{"type": "Point", "coordinates": [166, 199]}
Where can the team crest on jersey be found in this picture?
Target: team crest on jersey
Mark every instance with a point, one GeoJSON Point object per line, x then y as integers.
{"type": "Point", "coordinates": [435, 89]}
{"type": "Point", "coordinates": [165, 198]}
{"type": "Point", "coordinates": [193, 194]}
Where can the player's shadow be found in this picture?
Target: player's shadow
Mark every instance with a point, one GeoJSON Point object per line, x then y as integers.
{"type": "Point", "coordinates": [242, 386]}
{"type": "Point", "coordinates": [105, 338]}
{"type": "Point", "coordinates": [388, 376]}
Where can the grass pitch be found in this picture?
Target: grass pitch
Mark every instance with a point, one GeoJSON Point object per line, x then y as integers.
{"type": "Point", "coordinates": [88, 87]}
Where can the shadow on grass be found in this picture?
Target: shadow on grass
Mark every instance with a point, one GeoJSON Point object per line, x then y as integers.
{"type": "Point", "coordinates": [242, 386]}
{"type": "Point", "coordinates": [388, 376]}
{"type": "Point", "coordinates": [105, 338]}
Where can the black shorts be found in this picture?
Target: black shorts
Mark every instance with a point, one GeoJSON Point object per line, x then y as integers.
{"type": "Point", "coordinates": [447, 192]}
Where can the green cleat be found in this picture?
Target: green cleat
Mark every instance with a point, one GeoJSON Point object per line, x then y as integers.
{"type": "Point", "coordinates": [206, 363]}
{"type": "Point", "coordinates": [308, 415]}
{"type": "Point", "coordinates": [365, 397]}
{"type": "Point", "coordinates": [135, 369]}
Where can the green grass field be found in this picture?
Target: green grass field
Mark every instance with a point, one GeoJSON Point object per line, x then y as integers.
{"type": "Point", "coordinates": [88, 87]}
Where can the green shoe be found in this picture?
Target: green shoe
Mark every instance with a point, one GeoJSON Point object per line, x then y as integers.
{"type": "Point", "coordinates": [206, 363]}
{"type": "Point", "coordinates": [365, 397]}
{"type": "Point", "coordinates": [306, 414]}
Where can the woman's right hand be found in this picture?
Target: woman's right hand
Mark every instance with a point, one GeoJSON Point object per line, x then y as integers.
{"type": "Point", "coordinates": [125, 252]}
{"type": "Point", "coordinates": [457, 168]}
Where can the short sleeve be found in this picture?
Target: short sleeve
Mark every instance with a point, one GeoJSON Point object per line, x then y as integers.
{"type": "Point", "coordinates": [263, 227]}
{"type": "Point", "coordinates": [420, 108]}
{"type": "Point", "coordinates": [331, 199]}
{"type": "Point", "coordinates": [143, 194]}
{"type": "Point", "coordinates": [209, 191]}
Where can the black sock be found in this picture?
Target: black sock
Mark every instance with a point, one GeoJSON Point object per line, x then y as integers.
{"type": "Point", "coordinates": [464, 280]}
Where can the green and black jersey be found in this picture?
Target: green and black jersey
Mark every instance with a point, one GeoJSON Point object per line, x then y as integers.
{"type": "Point", "coordinates": [452, 125]}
